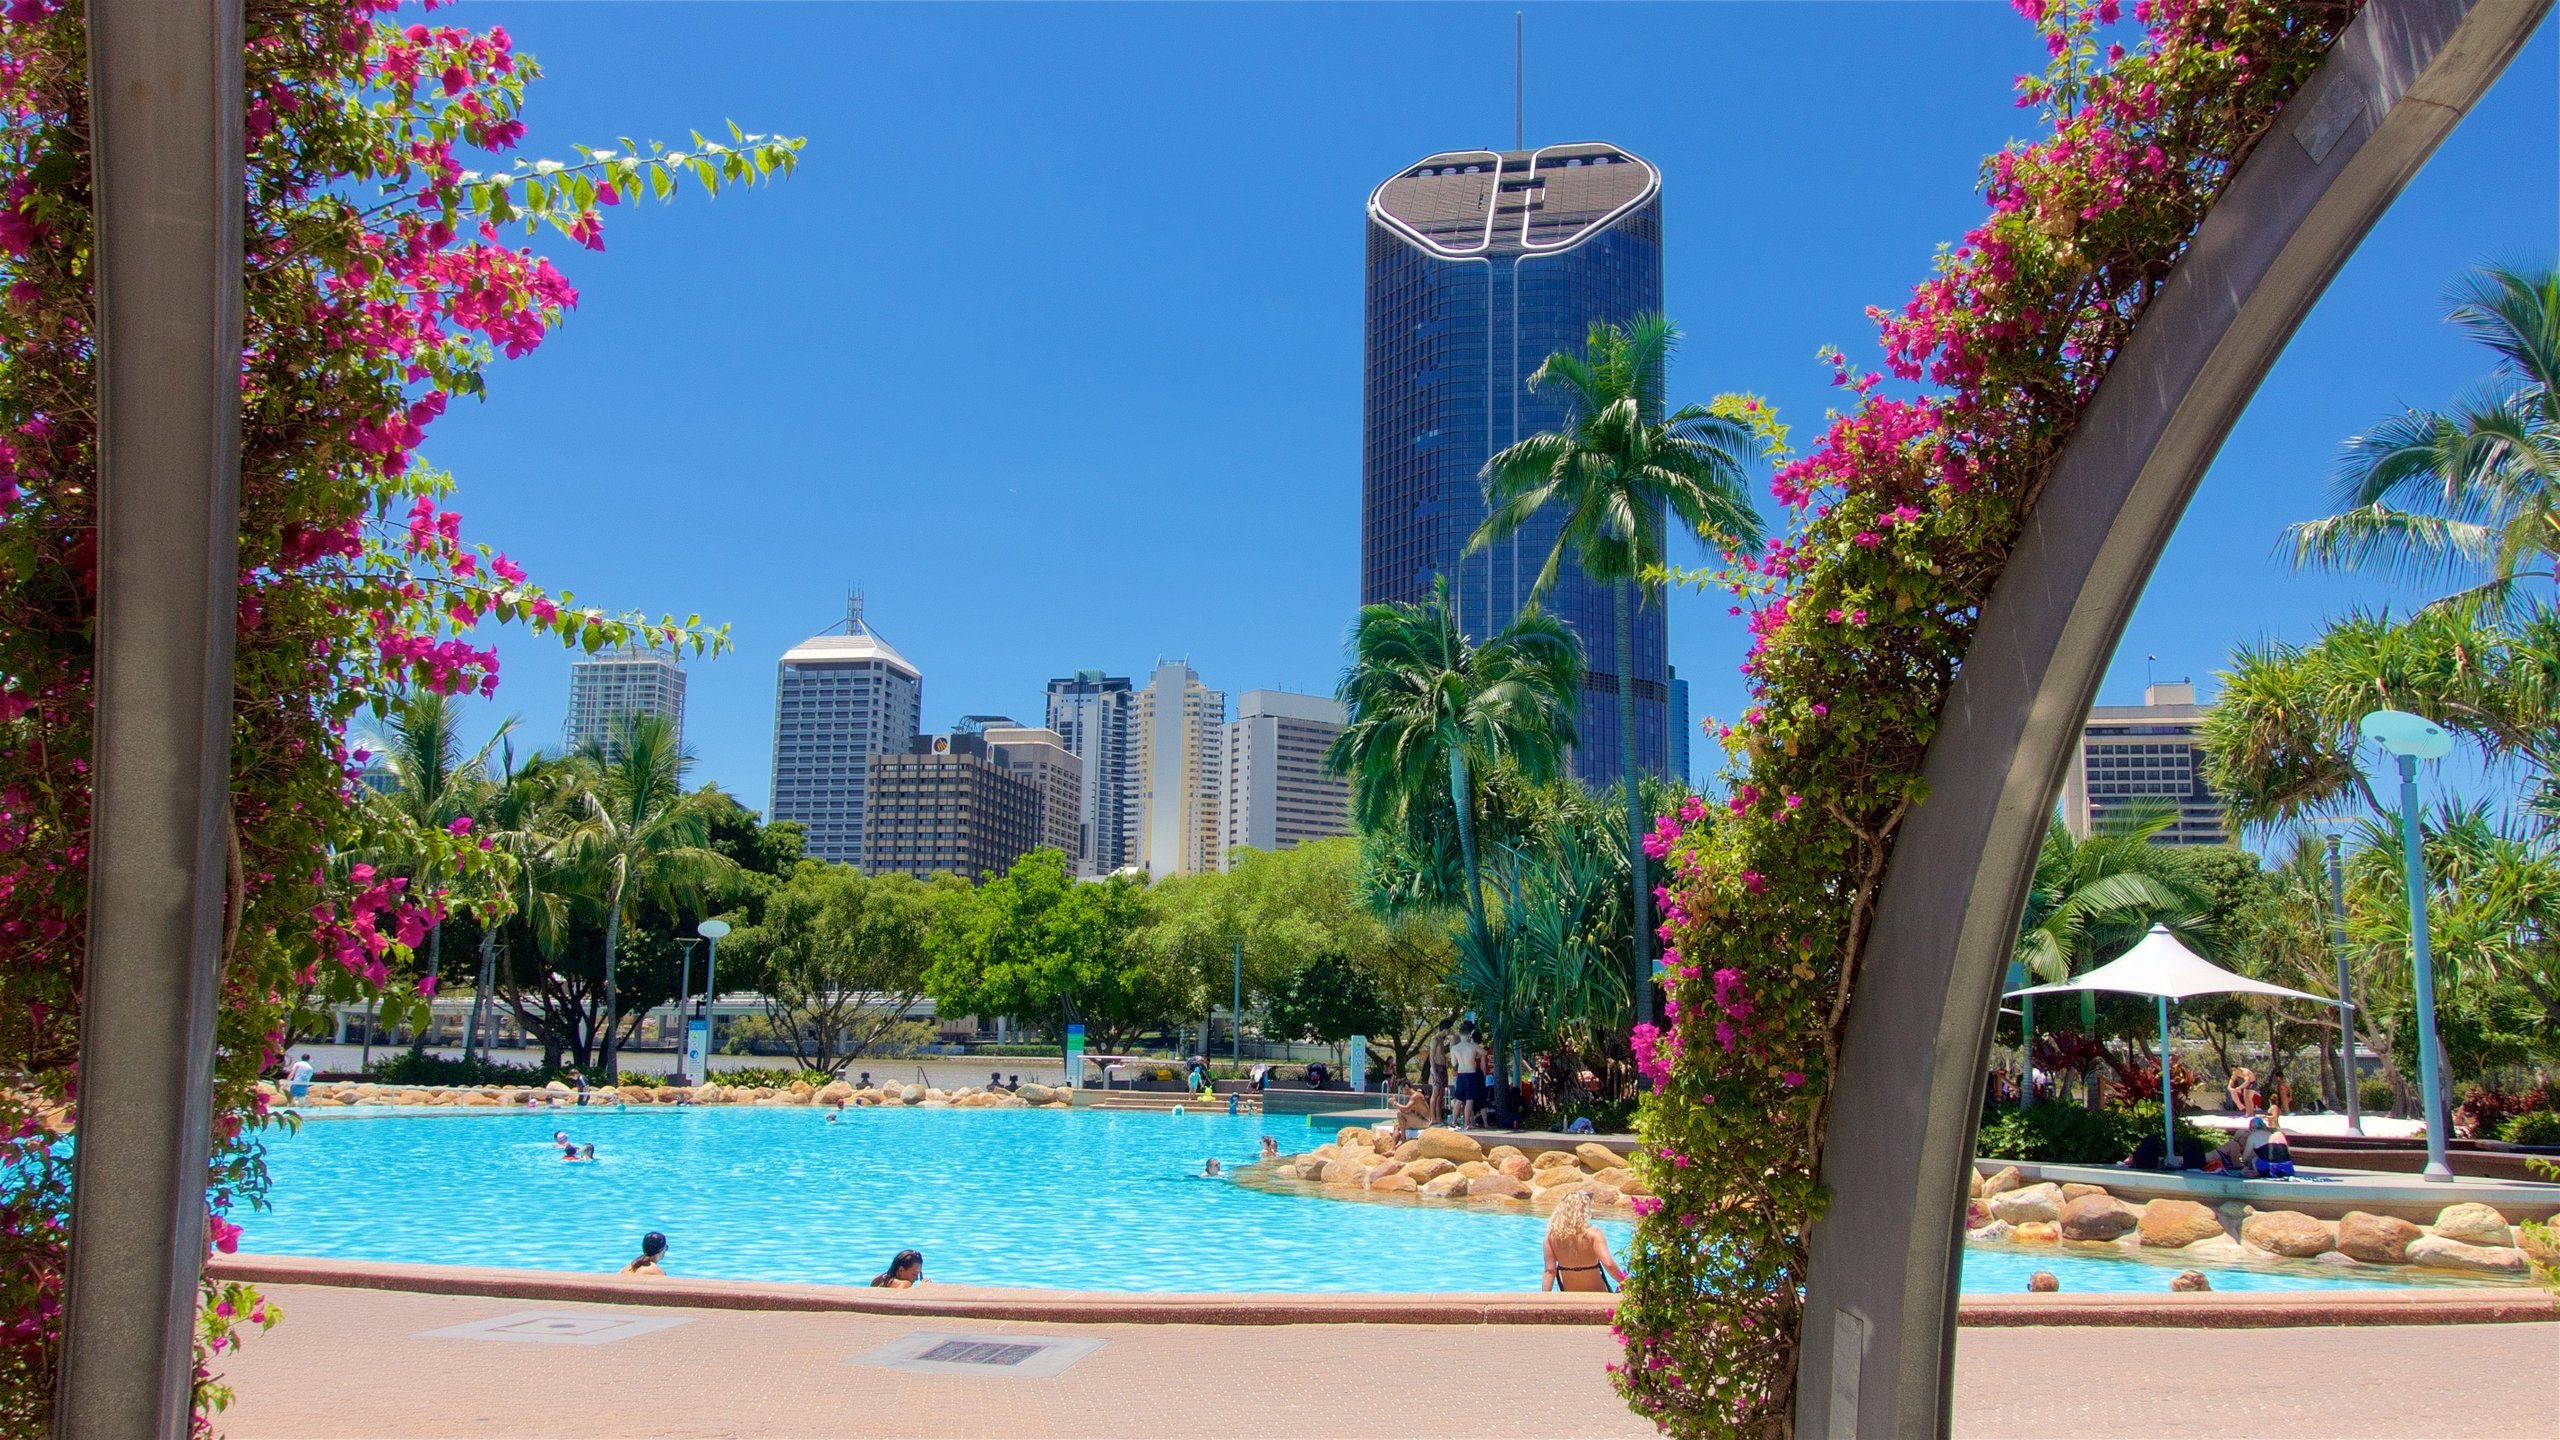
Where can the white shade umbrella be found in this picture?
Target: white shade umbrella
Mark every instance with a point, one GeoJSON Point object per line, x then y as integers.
{"type": "Point", "coordinates": [2160, 967]}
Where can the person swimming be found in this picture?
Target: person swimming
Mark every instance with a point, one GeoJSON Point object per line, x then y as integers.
{"type": "Point", "coordinates": [1270, 1148]}
{"type": "Point", "coordinates": [1212, 1172]}
{"type": "Point", "coordinates": [653, 1248]}
{"type": "Point", "coordinates": [905, 1272]}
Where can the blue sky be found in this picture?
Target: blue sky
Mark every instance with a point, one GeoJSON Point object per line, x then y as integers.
{"type": "Point", "coordinates": [1053, 344]}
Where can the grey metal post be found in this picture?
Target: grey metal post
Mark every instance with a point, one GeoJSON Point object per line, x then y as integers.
{"type": "Point", "coordinates": [2168, 1096]}
{"type": "Point", "coordinates": [165, 144]}
{"type": "Point", "coordinates": [2431, 1080]}
{"type": "Point", "coordinates": [1880, 1299]}
{"type": "Point", "coordinates": [684, 996]}
{"type": "Point", "coordinates": [1235, 1013]}
{"type": "Point", "coordinates": [2026, 1052]}
{"type": "Point", "coordinates": [2353, 1081]}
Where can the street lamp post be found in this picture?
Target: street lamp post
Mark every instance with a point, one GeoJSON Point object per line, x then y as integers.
{"type": "Point", "coordinates": [710, 930]}
{"type": "Point", "coordinates": [2410, 739]}
{"type": "Point", "coordinates": [684, 1000]}
{"type": "Point", "coordinates": [2350, 1081]}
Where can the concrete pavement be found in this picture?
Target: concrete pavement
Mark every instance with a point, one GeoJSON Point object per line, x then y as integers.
{"type": "Point", "coordinates": [363, 1363]}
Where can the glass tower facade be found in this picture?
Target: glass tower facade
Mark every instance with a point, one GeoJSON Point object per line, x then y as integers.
{"type": "Point", "coordinates": [1480, 265]}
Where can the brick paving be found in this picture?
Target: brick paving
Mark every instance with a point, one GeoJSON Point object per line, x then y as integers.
{"type": "Point", "coordinates": [355, 1363]}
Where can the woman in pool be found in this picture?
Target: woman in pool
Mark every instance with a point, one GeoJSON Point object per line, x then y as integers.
{"type": "Point", "coordinates": [1578, 1255]}
{"type": "Point", "coordinates": [905, 1272]}
{"type": "Point", "coordinates": [1270, 1148]}
{"type": "Point", "coordinates": [653, 1248]}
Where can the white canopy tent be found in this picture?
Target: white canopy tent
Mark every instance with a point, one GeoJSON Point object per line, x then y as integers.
{"type": "Point", "coordinates": [2162, 968]}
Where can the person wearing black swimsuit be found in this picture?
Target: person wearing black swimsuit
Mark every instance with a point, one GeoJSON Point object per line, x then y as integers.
{"type": "Point", "coordinates": [1577, 1254]}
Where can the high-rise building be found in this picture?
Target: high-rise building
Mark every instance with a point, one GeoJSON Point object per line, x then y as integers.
{"type": "Point", "coordinates": [1276, 795]}
{"type": "Point", "coordinates": [947, 806]}
{"type": "Point", "coordinates": [1040, 759]}
{"type": "Point", "coordinates": [627, 680]}
{"type": "Point", "coordinates": [1176, 769]}
{"type": "Point", "coordinates": [1683, 729]}
{"type": "Point", "coordinates": [840, 699]}
{"type": "Point", "coordinates": [1480, 266]}
{"type": "Point", "coordinates": [1090, 711]}
{"type": "Point", "coordinates": [2146, 754]}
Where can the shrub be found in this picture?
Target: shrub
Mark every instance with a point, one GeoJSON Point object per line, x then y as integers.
{"type": "Point", "coordinates": [408, 1069]}
{"type": "Point", "coordinates": [2534, 1127]}
{"type": "Point", "coordinates": [768, 1078]}
{"type": "Point", "coordinates": [2490, 1109]}
{"type": "Point", "coordinates": [2073, 1135]}
{"type": "Point", "coordinates": [2375, 1094]}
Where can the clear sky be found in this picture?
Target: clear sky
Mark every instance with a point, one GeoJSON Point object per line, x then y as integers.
{"type": "Point", "coordinates": [1053, 344]}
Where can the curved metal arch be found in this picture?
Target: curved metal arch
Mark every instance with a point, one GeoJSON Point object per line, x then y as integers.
{"type": "Point", "coordinates": [1879, 1328]}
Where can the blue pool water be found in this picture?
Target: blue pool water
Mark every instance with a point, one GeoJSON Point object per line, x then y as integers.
{"type": "Point", "coordinates": [1087, 1200]}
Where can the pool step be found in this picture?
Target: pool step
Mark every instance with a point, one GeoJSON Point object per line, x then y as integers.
{"type": "Point", "coordinates": [1092, 1099]}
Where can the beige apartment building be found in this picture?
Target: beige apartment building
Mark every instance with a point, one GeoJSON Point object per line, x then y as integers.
{"type": "Point", "coordinates": [1276, 794]}
{"type": "Point", "coordinates": [2135, 754]}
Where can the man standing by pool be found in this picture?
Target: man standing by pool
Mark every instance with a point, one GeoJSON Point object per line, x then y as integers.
{"type": "Point", "coordinates": [298, 1080]}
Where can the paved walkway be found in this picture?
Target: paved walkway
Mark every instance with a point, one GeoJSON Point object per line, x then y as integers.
{"type": "Point", "coordinates": [360, 1363]}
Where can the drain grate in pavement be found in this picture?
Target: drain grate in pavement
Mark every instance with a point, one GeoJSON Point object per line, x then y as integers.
{"type": "Point", "coordinates": [979, 1352]}
{"type": "Point", "coordinates": [558, 1327]}
{"type": "Point", "coordinates": [1008, 1356]}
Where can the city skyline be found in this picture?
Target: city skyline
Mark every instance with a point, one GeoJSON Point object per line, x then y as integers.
{"type": "Point", "coordinates": [741, 365]}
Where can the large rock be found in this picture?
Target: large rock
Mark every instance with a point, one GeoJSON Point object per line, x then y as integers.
{"type": "Point", "coordinates": [2097, 1217]}
{"type": "Point", "coordinates": [1353, 1135]}
{"type": "Point", "coordinates": [802, 1089]}
{"type": "Point", "coordinates": [2217, 1249]}
{"type": "Point", "coordinates": [2170, 1224]}
{"type": "Point", "coordinates": [1394, 1180]}
{"type": "Point", "coordinates": [836, 1092]}
{"type": "Point", "coordinates": [558, 1087]}
{"type": "Point", "coordinates": [1036, 1094]}
{"type": "Point", "coordinates": [1409, 1151]}
{"type": "Point", "coordinates": [1600, 1194]}
{"type": "Point", "coordinates": [912, 1095]}
{"type": "Point", "coordinates": [1496, 1185]}
{"type": "Point", "coordinates": [1444, 1186]}
{"type": "Point", "coordinates": [1615, 1177]}
{"type": "Point", "coordinates": [2004, 1178]}
{"type": "Point", "coordinates": [1380, 1171]}
{"type": "Point", "coordinates": [1439, 1143]}
{"type": "Point", "coordinates": [706, 1093]}
{"type": "Point", "coordinates": [1550, 1159]}
{"type": "Point", "coordinates": [2441, 1253]}
{"type": "Point", "coordinates": [1500, 1153]}
{"type": "Point", "coordinates": [2073, 1191]}
{"type": "Point", "coordinates": [2474, 1224]}
{"type": "Point", "coordinates": [2375, 1239]}
{"type": "Point", "coordinates": [1596, 1156]}
{"type": "Point", "coordinates": [1515, 1165]}
{"type": "Point", "coordinates": [1972, 1183]}
{"type": "Point", "coordinates": [1426, 1171]}
{"type": "Point", "coordinates": [1344, 1172]}
{"type": "Point", "coordinates": [2289, 1233]}
{"type": "Point", "coordinates": [1996, 1230]}
{"type": "Point", "coordinates": [1308, 1167]}
{"type": "Point", "coordinates": [2032, 1202]}
{"type": "Point", "coordinates": [2043, 1232]}
{"type": "Point", "coordinates": [1472, 1168]}
{"type": "Point", "coordinates": [483, 1097]}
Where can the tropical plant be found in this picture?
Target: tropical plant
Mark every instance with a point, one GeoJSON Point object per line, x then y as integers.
{"type": "Point", "coordinates": [1613, 470]}
{"type": "Point", "coordinates": [633, 832]}
{"type": "Point", "coordinates": [375, 288]}
{"type": "Point", "coordinates": [432, 784]}
{"type": "Point", "coordinates": [2471, 492]}
{"type": "Point", "coordinates": [1430, 716]}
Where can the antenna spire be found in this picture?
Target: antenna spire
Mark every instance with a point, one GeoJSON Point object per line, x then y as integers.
{"type": "Point", "coordinates": [853, 611]}
{"type": "Point", "coordinates": [1519, 85]}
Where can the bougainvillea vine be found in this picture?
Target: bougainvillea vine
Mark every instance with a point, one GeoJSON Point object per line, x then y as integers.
{"type": "Point", "coordinates": [379, 287]}
{"type": "Point", "coordinates": [1901, 517]}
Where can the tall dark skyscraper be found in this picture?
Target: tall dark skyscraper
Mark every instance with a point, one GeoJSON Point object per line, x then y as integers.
{"type": "Point", "coordinates": [1480, 266]}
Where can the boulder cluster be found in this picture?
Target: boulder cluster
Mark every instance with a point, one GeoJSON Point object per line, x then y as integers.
{"type": "Point", "coordinates": [1441, 1164]}
{"type": "Point", "coordinates": [798, 1092]}
{"type": "Point", "coordinates": [2467, 1237]}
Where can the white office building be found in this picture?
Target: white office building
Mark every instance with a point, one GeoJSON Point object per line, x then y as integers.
{"type": "Point", "coordinates": [1090, 712]}
{"type": "Point", "coordinates": [1276, 795]}
{"type": "Point", "coordinates": [839, 699]}
{"type": "Point", "coordinates": [1177, 769]}
{"type": "Point", "coordinates": [2132, 755]}
{"type": "Point", "coordinates": [607, 686]}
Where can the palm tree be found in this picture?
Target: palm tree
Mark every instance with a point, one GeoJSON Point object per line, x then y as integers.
{"type": "Point", "coordinates": [1614, 470]}
{"type": "Point", "coordinates": [634, 833]}
{"type": "Point", "coordinates": [1430, 716]}
{"type": "Point", "coordinates": [2095, 896]}
{"type": "Point", "coordinates": [2454, 493]}
{"type": "Point", "coordinates": [518, 814]}
{"type": "Point", "coordinates": [432, 784]}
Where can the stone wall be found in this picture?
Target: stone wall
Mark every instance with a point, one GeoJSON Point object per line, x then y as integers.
{"type": "Point", "coordinates": [1440, 1164]}
{"type": "Point", "coordinates": [2469, 1238]}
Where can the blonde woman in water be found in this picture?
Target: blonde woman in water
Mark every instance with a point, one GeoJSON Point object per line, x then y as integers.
{"type": "Point", "coordinates": [1577, 1253]}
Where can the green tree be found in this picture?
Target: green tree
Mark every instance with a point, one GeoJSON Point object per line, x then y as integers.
{"type": "Point", "coordinates": [1431, 716]}
{"type": "Point", "coordinates": [2093, 897]}
{"type": "Point", "coordinates": [634, 833]}
{"type": "Point", "coordinates": [2472, 492]}
{"type": "Point", "coordinates": [840, 958]}
{"type": "Point", "coordinates": [1035, 946]}
{"type": "Point", "coordinates": [1613, 471]}
{"type": "Point", "coordinates": [1328, 999]}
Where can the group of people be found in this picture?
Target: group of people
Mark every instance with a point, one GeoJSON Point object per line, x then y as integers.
{"type": "Point", "coordinates": [905, 1272]}
{"type": "Point", "coordinates": [2257, 1150]}
{"type": "Point", "coordinates": [571, 1150]}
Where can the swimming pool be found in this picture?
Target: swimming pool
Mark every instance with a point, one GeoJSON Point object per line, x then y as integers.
{"type": "Point", "coordinates": [1085, 1200]}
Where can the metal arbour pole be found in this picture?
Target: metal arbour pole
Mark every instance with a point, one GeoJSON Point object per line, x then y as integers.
{"type": "Point", "coordinates": [165, 146]}
{"type": "Point", "coordinates": [684, 998]}
{"type": "Point", "coordinates": [2410, 739]}
{"type": "Point", "coordinates": [1235, 1013]}
{"type": "Point", "coordinates": [710, 930]}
